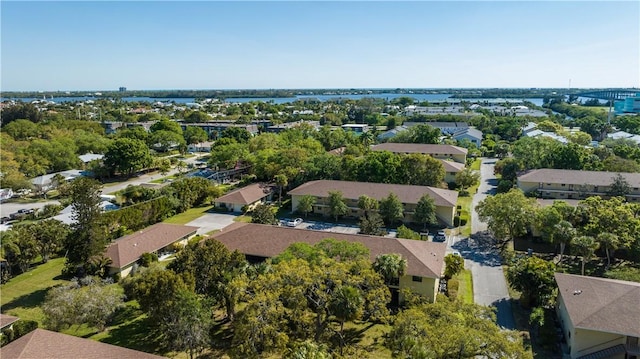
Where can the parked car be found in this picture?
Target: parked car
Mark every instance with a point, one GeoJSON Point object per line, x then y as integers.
{"type": "Point", "coordinates": [293, 222]}
{"type": "Point", "coordinates": [440, 237]}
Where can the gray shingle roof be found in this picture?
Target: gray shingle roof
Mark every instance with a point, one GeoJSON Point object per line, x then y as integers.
{"type": "Point", "coordinates": [420, 148]}
{"type": "Point", "coordinates": [601, 304]}
{"type": "Point", "coordinates": [353, 190]}
{"type": "Point", "coordinates": [424, 259]}
{"type": "Point", "coordinates": [596, 178]}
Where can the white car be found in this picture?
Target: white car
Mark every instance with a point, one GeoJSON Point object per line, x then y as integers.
{"type": "Point", "coordinates": [293, 222]}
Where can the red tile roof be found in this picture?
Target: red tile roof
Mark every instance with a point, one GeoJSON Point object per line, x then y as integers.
{"type": "Point", "coordinates": [424, 259]}
{"type": "Point", "coordinates": [42, 343]}
{"type": "Point", "coordinates": [353, 190]}
{"type": "Point", "coordinates": [246, 195]}
{"type": "Point", "coordinates": [420, 148]}
{"type": "Point", "coordinates": [129, 248]}
{"type": "Point", "coordinates": [600, 304]}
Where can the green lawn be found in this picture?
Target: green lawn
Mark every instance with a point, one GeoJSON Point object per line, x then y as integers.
{"type": "Point", "coordinates": [23, 294]}
{"type": "Point", "coordinates": [163, 179]}
{"type": "Point", "coordinates": [188, 215]}
{"type": "Point", "coordinates": [465, 291]}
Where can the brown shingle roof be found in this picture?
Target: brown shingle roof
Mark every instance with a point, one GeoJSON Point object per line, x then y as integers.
{"type": "Point", "coordinates": [450, 166]}
{"type": "Point", "coordinates": [596, 178]}
{"type": "Point", "coordinates": [420, 148]}
{"type": "Point", "coordinates": [353, 190]}
{"type": "Point", "coordinates": [7, 320]}
{"type": "Point", "coordinates": [42, 343]}
{"type": "Point", "coordinates": [600, 304]}
{"type": "Point", "coordinates": [424, 259]}
{"type": "Point", "coordinates": [246, 195]}
{"type": "Point", "coordinates": [128, 249]}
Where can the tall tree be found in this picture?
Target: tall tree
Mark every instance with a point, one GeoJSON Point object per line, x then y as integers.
{"type": "Point", "coordinates": [346, 305]}
{"type": "Point", "coordinates": [195, 134]}
{"type": "Point", "coordinates": [87, 238]}
{"type": "Point", "coordinates": [337, 205]}
{"type": "Point", "coordinates": [187, 325]}
{"type": "Point", "coordinates": [585, 246]}
{"type": "Point", "coordinates": [19, 247]}
{"type": "Point", "coordinates": [467, 178]}
{"type": "Point", "coordinates": [214, 268]}
{"type": "Point", "coordinates": [282, 182]}
{"type": "Point", "coordinates": [452, 329]}
{"type": "Point", "coordinates": [305, 205]}
{"type": "Point", "coordinates": [127, 156]}
{"type": "Point", "coordinates": [264, 214]}
{"type": "Point", "coordinates": [620, 186]}
{"type": "Point", "coordinates": [50, 234]}
{"type": "Point", "coordinates": [610, 243]}
{"type": "Point", "coordinates": [391, 267]}
{"type": "Point", "coordinates": [454, 264]}
{"type": "Point", "coordinates": [391, 209]}
{"type": "Point", "coordinates": [507, 215]}
{"type": "Point", "coordinates": [564, 233]}
{"type": "Point", "coordinates": [425, 212]}
{"type": "Point", "coordinates": [533, 277]}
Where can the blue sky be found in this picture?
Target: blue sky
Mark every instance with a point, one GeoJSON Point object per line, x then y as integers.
{"type": "Point", "coordinates": [237, 45]}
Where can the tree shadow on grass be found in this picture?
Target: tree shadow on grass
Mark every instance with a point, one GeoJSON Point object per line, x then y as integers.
{"type": "Point", "coordinates": [31, 300]}
{"type": "Point", "coordinates": [221, 335]}
{"type": "Point", "coordinates": [134, 335]}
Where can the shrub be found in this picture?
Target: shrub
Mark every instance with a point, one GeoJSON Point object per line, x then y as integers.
{"type": "Point", "coordinates": [147, 258]}
{"type": "Point", "coordinates": [452, 288]}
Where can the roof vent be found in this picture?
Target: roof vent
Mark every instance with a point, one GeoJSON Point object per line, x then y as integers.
{"type": "Point", "coordinates": [577, 292]}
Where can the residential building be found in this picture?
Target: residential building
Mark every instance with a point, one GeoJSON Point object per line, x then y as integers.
{"type": "Point", "coordinates": [409, 195]}
{"type": "Point", "coordinates": [42, 343]}
{"type": "Point", "coordinates": [45, 182]}
{"type": "Point", "coordinates": [444, 152]}
{"type": "Point", "coordinates": [600, 317]}
{"type": "Point", "coordinates": [472, 134]}
{"type": "Point", "coordinates": [384, 136]}
{"type": "Point", "coordinates": [624, 135]}
{"type": "Point", "coordinates": [447, 128]}
{"type": "Point", "coordinates": [574, 184]}
{"type": "Point", "coordinates": [289, 125]}
{"type": "Point", "coordinates": [425, 260]}
{"type": "Point", "coordinates": [126, 251]}
{"type": "Point", "coordinates": [214, 128]}
{"type": "Point", "coordinates": [245, 197]}
{"type": "Point", "coordinates": [88, 157]}
{"type": "Point", "coordinates": [451, 169]}
{"type": "Point", "coordinates": [200, 147]}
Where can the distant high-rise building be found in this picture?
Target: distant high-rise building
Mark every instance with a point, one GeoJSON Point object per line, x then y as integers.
{"type": "Point", "coordinates": [122, 89]}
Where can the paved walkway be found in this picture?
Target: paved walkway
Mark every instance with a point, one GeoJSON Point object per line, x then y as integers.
{"type": "Point", "coordinates": [212, 221]}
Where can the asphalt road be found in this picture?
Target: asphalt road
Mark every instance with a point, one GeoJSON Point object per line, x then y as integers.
{"type": "Point", "coordinates": [489, 284]}
{"type": "Point", "coordinates": [7, 208]}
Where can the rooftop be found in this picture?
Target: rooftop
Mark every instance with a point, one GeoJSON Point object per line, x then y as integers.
{"type": "Point", "coordinates": [129, 248]}
{"type": "Point", "coordinates": [577, 177]}
{"type": "Point", "coordinates": [601, 304]}
{"type": "Point", "coordinates": [424, 259]}
{"type": "Point", "coordinates": [353, 190]}
{"type": "Point", "coordinates": [42, 343]}
{"type": "Point", "coordinates": [420, 148]}
{"type": "Point", "coordinates": [246, 195]}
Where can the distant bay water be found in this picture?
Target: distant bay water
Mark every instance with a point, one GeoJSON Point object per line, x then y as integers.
{"type": "Point", "coordinates": [277, 100]}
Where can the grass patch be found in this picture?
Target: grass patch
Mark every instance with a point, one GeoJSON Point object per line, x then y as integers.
{"type": "Point", "coordinates": [164, 179]}
{"type": "Point", "coordinates": [465, 290]}
{"type": "Point", "coordinates": [475, 165]}
{"type": "Point", "coordinates": [23, 294]}
{"type": "Point", "coordinates": [244, 218]}
{"type": "Point", "coordinates": [465, 208]}
{"type": "Point", "coordinates": [188, 215]}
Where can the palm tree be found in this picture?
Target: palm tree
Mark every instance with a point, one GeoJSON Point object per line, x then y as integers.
{"type": "Point", "coordinates": [346, 305]}
{"type": "Point", "coordinates": [610, 242]}
{"type": "Point", "coordinates": [563, 234]}
{"type": "Point", "coordinates": [585, 246]}
{"type": "Point", "coordinates": [281, 181]}
{"type": "Point", "coordinates": [390, 267]}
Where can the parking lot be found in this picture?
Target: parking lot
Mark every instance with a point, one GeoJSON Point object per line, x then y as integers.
{"type": "Point", "coordinates": [332, 227]}
{"type": "Point", "coordinates": [211, 221]}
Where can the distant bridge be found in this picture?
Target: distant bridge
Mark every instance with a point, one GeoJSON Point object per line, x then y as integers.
{"type": "Point", "coordinates": [611, 94]}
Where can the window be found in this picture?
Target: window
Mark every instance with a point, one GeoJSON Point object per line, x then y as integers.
{"type": "Point", "coordinates": [563, 185]}
{"type": "Point", "coordinates": [416, 279]}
